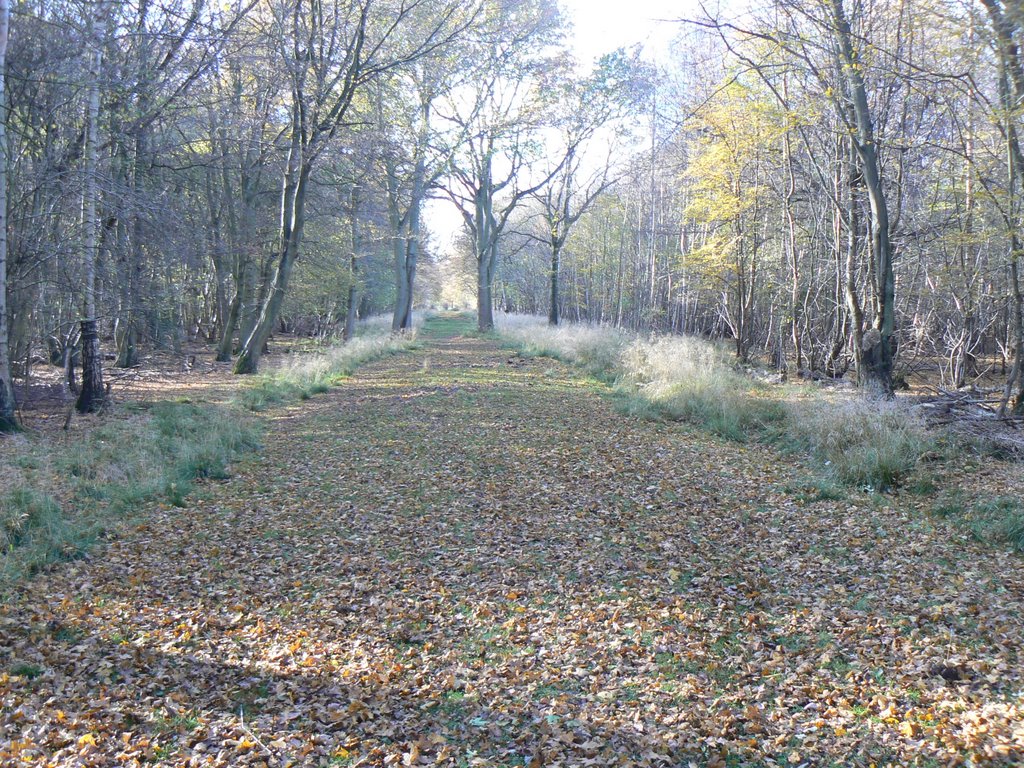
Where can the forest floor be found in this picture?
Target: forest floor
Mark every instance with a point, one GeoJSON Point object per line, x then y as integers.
{"type": "Point", "coordinates": [464, 557]}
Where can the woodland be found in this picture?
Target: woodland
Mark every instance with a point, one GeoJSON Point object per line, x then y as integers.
{"type": "Point", "coordinates": [695, 440]}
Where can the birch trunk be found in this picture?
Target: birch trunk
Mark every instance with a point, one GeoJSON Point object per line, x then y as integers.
{"type": "Point", "coordinates": [92, 396]}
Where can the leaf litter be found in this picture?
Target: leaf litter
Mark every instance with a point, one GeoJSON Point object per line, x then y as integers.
{"type": "Point", "coordinates": [458, 558]}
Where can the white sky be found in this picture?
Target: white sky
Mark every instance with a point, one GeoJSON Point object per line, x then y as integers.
{"type": "Point", "coordinates": [600, 26]}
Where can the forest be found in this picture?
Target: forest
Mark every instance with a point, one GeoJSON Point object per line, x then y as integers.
{"type": "Point", "coordinates": [831, 188]}
{"type": "Point", "coordinates": [386, 382]}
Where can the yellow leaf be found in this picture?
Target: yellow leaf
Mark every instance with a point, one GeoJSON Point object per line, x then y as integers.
{"type": "Point", "coordinates": [87, 739]}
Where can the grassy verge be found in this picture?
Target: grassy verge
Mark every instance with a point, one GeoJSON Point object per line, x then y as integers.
{"type": "Point", "coordinates": [852, 442]}
{"type": "Point", "coordinates": [313, 373]}
{"type": "Point", "coordinates": [445, 325]}
{"type": "Point", "coordinates": [60, 498]}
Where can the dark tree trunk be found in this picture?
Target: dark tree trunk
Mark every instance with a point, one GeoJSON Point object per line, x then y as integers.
{"type": "Point", "coordinates": [553, 316]}
{"type": "Point", "coordinates": [92, 396]}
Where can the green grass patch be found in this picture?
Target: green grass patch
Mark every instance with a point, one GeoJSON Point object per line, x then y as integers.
{"type": "Point", "coordinates": [997, 520]}
{"type": "Point", "coordinates": [69, 495]}
{"type": "Point", "coordinates": [448, 325]}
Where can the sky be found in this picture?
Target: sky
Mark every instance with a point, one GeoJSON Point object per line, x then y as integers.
{"type": "Point", "coordinates": [600, 26]}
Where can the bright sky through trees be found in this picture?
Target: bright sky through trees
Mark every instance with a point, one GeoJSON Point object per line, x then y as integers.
{"type": "Point", "coordinates": [602, 25]}
{"type": "Point", "coordinates": [597, 27]}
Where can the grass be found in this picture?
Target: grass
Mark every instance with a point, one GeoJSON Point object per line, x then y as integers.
{"type": "Point", "coordinates": [855, 442]}
{"type": "Point", "coordinates": [57, 500]}
{"type": "Point", "coordinates": [64, 497]}
{"type": "Point", "coordinates": [315, 373]}
{"type": "Point", "coordinates": [999, 519]}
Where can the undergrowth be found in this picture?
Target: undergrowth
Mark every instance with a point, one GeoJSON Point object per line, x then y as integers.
{"type": "Point", "coordinates": [313, 373]}
{"type": "Point", "coordinates": [61, 497]}
{"type": "Point", "coordinates": [853, 442]}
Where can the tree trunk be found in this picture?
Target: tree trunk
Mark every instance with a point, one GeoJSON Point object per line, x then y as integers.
{"type": "Point", "coordinates": [92, 395]}
{"type": "Point", "coordinates": [293, 219]}
{"type": "Point", "coordinates": [876, 347]}
{"type": "Point", "coordinates": [553, 317]}
{"type": "Point", "coordinates": [7, 418]}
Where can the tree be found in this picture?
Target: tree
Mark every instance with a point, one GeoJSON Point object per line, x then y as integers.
{"type": "Point", "coordinates": [496, 128]}
{"type": "Point", "coordinates": [7, 419]}
{"type": "Point", "coordinates": [92, 395]}
{"type": "Point", "coordinates": [1006, 27]}
{"type": "Point", "coordinates": [329, 52]}
{"type": "Point", "coordinates": [589, 111]}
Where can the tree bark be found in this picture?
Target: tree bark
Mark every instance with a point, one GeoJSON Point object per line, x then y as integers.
{"type": "Point", "coordinates": [293, 219]}
{"type": "Point", "coordinates": [556, 252]}
{"type": "Point", "coordinates": [8, 422]}
{"type": "Point", "coordinates": [92, 395]}
{"type": "Point", "coordinates": [876, 348]}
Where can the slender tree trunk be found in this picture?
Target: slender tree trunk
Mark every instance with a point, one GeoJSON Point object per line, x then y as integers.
{"type": "Point", "coordinates": [293, 219]}
{"type": "Point", "coordinates": [7, 418]}
{"type": "Point", "coordinates": [556, 253]}
{"type": "Point", "coordinates": [876, 349]}
{"type": "Point", "coordinates": [1011, 94]}
{"type": "Point", "coordinates": [353, 269]}
{"type": "Point", "coordinates": [92, 396]}
{"type": "Point", "coordinates": [486, 242]}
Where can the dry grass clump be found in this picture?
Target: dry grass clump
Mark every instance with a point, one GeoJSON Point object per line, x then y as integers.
{"type": "Point", "coordinates": [595, 348]}
{"type": "Point", "coordinates": [860, 442]}
{"type": "Point", "coordinates": [864, 442]}
{"type": "Point", "coordinates": [313, 373]}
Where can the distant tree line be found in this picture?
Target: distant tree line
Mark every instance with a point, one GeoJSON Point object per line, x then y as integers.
{"type": "Point", "coordinates": [830, 185]}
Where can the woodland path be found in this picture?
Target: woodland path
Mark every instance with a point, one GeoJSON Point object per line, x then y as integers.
{"type": "Point", "coordinates": [463, 557]}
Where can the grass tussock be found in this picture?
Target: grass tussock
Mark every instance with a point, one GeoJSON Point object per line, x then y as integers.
{"type": "Point", "coordinates": [596, 349]}
{"type": "Point", "coordinates": [999, 519]}
{"type": "Point", "coordinates": [61, 498]}
{"type": "Point", "coordinates": [314, 373]}
{"type": "Point", "coordinates": [855, 442]}
{"type": "Point", "coordinates": [865, 442]}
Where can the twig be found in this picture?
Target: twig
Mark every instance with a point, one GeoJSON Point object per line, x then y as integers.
{"type": "Point", "coordinates": [248, 732]}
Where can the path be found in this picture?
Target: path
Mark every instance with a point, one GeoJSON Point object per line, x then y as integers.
{"type": "Point", "coordinates": [461, 557]}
